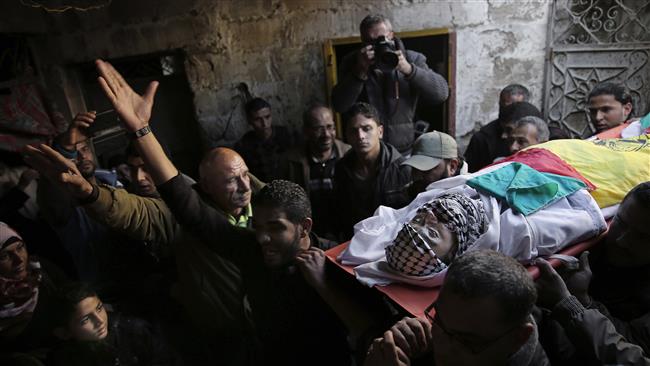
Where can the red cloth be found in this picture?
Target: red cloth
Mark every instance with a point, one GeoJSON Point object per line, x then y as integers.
{"type": "Point", "coordinates": [545, 161]}
{"type": "Point", "coordinates": [614, 132]}
{"type": "Point", "coordinates": [27, 116]}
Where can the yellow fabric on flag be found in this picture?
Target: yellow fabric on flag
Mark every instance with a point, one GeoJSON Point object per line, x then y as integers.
{"type": "Point", "coordinates": [615, 166]}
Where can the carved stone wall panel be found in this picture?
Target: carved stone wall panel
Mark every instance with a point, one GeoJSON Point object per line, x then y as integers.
{"type": "Point", "coordinates": [593, 41]}
{"type": "Point", "coordinates": [574, 73]}
{"type": "Point", "coordinates": [601, 21]}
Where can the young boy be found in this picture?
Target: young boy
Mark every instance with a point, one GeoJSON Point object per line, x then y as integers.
{"type": "Point", "coordinates": [93, 335]}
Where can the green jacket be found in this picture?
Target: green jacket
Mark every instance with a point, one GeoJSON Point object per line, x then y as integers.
{"type": "Point", "coordinates": [208, 286]}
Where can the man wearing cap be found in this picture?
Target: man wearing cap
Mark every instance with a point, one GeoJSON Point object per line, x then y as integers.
{"type": "Point", "coordinates": [435, 157]}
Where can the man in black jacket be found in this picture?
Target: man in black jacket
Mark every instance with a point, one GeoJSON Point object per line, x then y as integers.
{"type": "Point", "coordinates": [393, 90]}
{"type": "Point", "coordinates": [488, 143]}
{"type": "Point", "coordinates": [370, 174]}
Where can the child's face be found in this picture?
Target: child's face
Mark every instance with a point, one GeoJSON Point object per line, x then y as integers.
{"type": "Point", "coordinates": [89, 321]}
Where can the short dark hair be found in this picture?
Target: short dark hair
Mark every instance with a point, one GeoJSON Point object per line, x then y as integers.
{"type": "Point", "coordinates": [255, 105]}
{"type": "Point", "coordinates": [364, 109]}
{"type": "Point", "coordinates": [66, 300]}
{"type": "Point", "coordinates": [620, 92]}
{"type": "Point", "coordinates": [307, 116]}
{"type": "Point", "coordinates": [287, 196]}
{"type": "Point", "coordinates": [518, 110]}
{"type": "Point", "coordinates": [641, 193]}
{"type": "Point", "coordinates": [516, 89]}
{"type": "Point", "coordinates": [488, 273]}
{"type": "Point", "coordinates": [373, 19]}
{"type": "Point", "coordinates": [132, 151]}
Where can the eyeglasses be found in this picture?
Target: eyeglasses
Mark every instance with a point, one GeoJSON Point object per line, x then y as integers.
{"type": "Point", "coordinates": [474, 347]}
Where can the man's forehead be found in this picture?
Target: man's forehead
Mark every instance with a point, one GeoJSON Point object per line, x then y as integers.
{"type": "Point", "coordinates": [264, 112]}
{"type": "Point", "coordinates": [602, 101]}
{"type": "Point", "coordinates": [376, 30]}
{"type": "Point", "coordinates": [525, 130]}
{"type": "Point", "coordinates": [268, 214]}
{"type": "Point", "coordinates": [465, 315]}
{"type": "Point", "coordinates": [360, 121]}
{"type": "Point", "coordinates": [321, 115]}
{"type": "Point", "coordinates": [134, 161]}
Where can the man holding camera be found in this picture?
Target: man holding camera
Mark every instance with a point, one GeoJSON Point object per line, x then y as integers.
{"type": "Point", "coordinates": [390, 78]}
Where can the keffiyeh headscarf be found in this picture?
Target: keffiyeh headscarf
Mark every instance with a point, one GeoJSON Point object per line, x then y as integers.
{"type": "Point", "coordinates": [410, 253]}
{"type": "Point", "coordinates": [18, 298]}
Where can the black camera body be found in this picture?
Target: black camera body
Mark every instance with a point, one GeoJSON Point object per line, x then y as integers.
{"type": "Point", "coordinates": [386, 49]}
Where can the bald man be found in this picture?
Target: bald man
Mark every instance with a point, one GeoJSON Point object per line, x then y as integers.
{"type": "Point", "coordinates": [226, 181]}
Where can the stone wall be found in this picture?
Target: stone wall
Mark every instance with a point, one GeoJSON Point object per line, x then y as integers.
{"type": "Point", "coordinates": [275, 48]}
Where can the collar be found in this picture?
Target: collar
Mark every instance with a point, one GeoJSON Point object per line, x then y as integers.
{"type": "Point", "coordinates": [241, 220]}
{"type": "Point", "coordinates": [333, 156]}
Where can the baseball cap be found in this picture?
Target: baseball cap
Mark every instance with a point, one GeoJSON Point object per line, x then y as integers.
{"type": "Point", "coordinates": [430, 149]}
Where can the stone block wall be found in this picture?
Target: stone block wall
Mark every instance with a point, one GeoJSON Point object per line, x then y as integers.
{"type": "Point", "coordinates": [274, 47]}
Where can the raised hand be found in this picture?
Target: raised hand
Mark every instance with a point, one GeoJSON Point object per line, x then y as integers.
{"type": "Point", "coordinates": [134, 109]}
{"type": "Point", "coordinates": [58, 170]}
{"type": "Point", "coordinates": [75, 132]}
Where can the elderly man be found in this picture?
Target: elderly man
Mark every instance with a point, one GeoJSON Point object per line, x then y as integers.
{"type": "Point", "coordinates": [263, 147]}
{"type": "Point", "coordinates": [370, 174]}
{"type": "Point", "coordinates": [434, 157]}
{"type": "Point", "coordinates": [528, 131]}
{"type": "Point", "coordinates": [312, 166]}
{"type": "Point", "coordinates": [390, 78]}
{"type": "Point", "coordinates": [487, 144]}
{"type": "Point", "coordinates": [482, 317]}
{"type": "Point", "coordinates": [209, 285]}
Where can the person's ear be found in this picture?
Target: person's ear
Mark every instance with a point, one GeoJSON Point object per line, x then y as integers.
{"type": "Point", "coordinates": [306, 226]}
{"type": "Point", "coordinates": [452, 167]}
{"type": "Point", "coordinates": [380, 131]}
{"type": "Point", "coordinates": [61, 333]}
{"type": "Point", "coordinates": [627, 109]}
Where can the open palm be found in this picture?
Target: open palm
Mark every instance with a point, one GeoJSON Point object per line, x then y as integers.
{"type": "Point", "coordinates": [133, 109]}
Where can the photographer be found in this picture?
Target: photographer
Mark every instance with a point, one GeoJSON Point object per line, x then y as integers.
{"type": "Point", "coordinates": [390, 78]}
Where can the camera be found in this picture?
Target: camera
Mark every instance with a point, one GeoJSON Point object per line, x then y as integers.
{"type": "Point", "coordinates": [385, 53]}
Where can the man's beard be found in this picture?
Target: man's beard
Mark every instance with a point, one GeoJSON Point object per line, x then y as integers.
{"type": "Point", "coordinates": [419, 186]}
{"type": "Point", "coordinates": [86, 168]}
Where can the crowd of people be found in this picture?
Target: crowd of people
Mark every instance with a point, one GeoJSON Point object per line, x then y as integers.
{"type": "Point", "coordinates": [153, 267]}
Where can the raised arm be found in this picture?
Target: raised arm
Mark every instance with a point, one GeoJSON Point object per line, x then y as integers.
{"type": "Point", "coordinates": [184, 202]}
{"type": "Point", "coordinates": [135, 111]}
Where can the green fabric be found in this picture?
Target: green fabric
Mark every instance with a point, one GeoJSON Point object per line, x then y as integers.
{"type": "Point", "coordinates": [241, 220]}
{"type": "Point", "coordinates": [524, 188]}
{"type": "Point", "coordinates": [645, 121]}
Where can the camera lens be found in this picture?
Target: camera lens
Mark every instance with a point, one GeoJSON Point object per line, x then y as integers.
{"type": "Point", "coordinates": [390, 59]}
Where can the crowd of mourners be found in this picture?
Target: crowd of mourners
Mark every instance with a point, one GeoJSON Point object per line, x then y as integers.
{"type": "Point", "coordinates": [140, 264]}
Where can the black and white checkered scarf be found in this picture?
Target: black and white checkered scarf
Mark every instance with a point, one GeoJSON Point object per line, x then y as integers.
{"type": "Point", "coordinates": [410, 254]}
{"type": "Point", "coordinates": [462, 215]}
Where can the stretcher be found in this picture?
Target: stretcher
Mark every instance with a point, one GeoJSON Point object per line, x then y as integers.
{"type": "Point", "coordinates": [416, 300]}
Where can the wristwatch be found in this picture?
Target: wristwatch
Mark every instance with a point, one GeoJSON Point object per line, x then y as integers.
{"type": "Point", "coordinates": [141, 132]}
